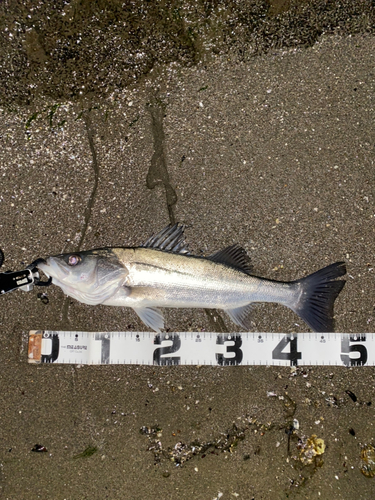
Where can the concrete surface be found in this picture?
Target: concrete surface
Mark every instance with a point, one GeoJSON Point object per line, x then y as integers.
{"type": "Point", "coordinates": [274, 153]}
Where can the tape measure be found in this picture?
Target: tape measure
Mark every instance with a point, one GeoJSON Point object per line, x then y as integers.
{"type": "Point", "coordinates": [201, 348]}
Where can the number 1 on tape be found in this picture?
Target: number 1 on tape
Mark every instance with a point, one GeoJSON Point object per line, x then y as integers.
{"type": "Point", "coordinates": [203, 348]}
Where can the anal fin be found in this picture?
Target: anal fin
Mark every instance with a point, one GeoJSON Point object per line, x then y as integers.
{"type": "Point", "coordinates": [151, 317]}
{"type": "Point", "coordinates": [241, 315]}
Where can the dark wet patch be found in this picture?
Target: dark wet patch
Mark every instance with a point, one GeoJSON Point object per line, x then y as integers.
{"type": "Point", "coordinates": [158, 171]}
{"type": "Point", "coordinates": [91, 48]}
{"type": "Point", "coordinates": [95, 166]}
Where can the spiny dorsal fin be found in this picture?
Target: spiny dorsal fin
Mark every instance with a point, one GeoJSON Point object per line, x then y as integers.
{"type": "Point", "coordinates": [234, 256]}
{"type": "Point", "coordinates": [170, 239]}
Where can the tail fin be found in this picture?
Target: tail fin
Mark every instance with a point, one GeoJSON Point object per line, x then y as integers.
{"type": "Point", "coordinates": [319, 292]}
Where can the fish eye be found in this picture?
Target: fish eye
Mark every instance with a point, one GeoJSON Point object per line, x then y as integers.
{"type": "Point", "coordinates": [74, 260]}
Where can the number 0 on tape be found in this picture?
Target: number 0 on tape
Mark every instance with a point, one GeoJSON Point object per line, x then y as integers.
{"type": "Point", "coordinates": [203, 348]}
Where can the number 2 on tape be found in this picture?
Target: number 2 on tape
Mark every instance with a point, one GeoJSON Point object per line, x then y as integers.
{"type": "Point", "coordinates": [161, 351]}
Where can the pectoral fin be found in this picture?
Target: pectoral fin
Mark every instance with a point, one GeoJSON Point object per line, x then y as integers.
{"type": "Point", "coordinates": [151, 317]}
{"type": "Point", "coordinates": [241, 315]}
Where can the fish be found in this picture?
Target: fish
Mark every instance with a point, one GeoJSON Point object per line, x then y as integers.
{"type": "Point", "coordinates": [163, 274]}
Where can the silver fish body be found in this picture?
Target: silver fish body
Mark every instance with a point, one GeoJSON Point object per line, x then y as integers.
{"type": "Point", "coordinates": [163, 274]}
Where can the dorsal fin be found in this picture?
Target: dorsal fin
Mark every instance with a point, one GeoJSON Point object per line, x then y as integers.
{"type": "Point", "coordinates": [234, 256]}
{"type": "Point", "coordinates": [170, 239]}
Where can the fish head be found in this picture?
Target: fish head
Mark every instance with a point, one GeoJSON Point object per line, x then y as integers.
{"type": "Point", "coordinates": [90, 277]}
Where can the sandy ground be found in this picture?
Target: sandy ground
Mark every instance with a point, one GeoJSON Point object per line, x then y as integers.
{"type": "Point", "coordinates": [275, 154]}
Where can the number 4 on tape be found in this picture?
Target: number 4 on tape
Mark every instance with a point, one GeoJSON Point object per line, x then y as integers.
{"type": "Point", "coordinates": [197, 348]}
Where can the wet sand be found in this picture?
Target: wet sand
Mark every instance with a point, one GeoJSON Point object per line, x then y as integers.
{"type": "Point", "coordinates": [274, 153]}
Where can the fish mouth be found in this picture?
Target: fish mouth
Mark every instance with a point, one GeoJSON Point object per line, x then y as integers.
{"type": "Point", "coordinates": [52, 268]}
